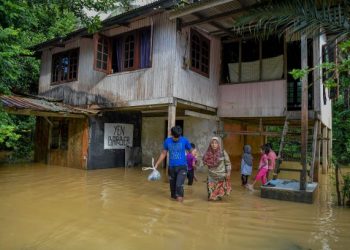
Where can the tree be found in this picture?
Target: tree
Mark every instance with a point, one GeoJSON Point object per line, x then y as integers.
{"type": "Point", "coordinates": [24, 23]}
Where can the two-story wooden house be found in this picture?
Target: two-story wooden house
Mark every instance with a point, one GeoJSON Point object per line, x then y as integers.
{"type": "Point", "coordinates": [160, 65]}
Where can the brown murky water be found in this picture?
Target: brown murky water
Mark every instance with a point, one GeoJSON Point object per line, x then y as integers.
{"type": "Point", "coordinates": [45, 207]}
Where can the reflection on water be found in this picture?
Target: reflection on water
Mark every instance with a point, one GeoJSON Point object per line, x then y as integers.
{"type": "Point", "coordinates": [61, 208]}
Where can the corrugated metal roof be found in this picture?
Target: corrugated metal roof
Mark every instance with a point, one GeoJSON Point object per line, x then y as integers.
{"type": "Point", "coordinates": [39, 104]}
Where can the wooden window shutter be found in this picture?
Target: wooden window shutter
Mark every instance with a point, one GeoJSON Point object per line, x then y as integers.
{"type": "Point", "coordinates": [102, 53]}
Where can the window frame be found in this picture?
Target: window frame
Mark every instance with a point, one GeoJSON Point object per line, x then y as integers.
{"type": "Point", "coordinates": [137, 44]}
{"type": "Point", "coordinates": [262, 55]}
{"type": "Point", "coordinates": [202, 39]}
{"type": "Point", "coordinates": [136, 55]}
{"type": "Point", "coordinates": [60, 55]}
{"type": "Point", "coordinates": [60, 131]}
{"type": "Point", "coordinates": [96, 39]}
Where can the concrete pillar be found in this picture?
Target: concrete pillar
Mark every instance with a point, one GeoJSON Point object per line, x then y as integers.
{"type": "Point", "coordinates": [324, 150]}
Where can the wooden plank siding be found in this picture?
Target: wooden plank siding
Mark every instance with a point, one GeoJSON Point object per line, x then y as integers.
{"type": "Point", "coordinates": [76, 154]}
{"type": "Point", "coordinates": [119, 88]}
{"type": "Point", "coordinates": [144, 84]}
{"type": "Point", "coordinates": [70, 92]}
{"type": "Point", "coordinates": [260, 99]}
{"type": "Point", "coordinates": [189, 85]}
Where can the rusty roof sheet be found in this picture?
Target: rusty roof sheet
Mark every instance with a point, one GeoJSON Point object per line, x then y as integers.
{"type": "Point", "coordinates": [41, 104]}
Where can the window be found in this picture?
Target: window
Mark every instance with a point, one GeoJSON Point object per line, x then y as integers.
{"type": "Point", "coordinates": [294, 91]}
{"type": "Point", "coordinates": [129, 51]}
{"type": "Point", "coordinates": [59, 135]}
{"type": "Point", "coordinates": [65, 66]}
{"type": "Point", "coordinates": [102, 51]}
{"type": "Point", "coordinates": [251, 60]}
{"type": "Point", "coordinates": [200, 53]}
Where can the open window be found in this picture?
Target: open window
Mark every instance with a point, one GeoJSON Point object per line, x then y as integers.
{"type": "Point", "coordinates": [102, 53]}
{"type": "Point", "coordinates": [65, 66]}
{"type": "Point", "coordinates": [200, 53]}
{"type": "Point", "coordinates": [125, 52]}
{"type": "Point", "coordinates": [252, 60]}
{"type": "Point", "coordinates": [294, 87]}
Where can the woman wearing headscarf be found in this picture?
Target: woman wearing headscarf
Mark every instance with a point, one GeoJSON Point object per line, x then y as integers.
{"type": "Point", "coordinates": [219, 170]}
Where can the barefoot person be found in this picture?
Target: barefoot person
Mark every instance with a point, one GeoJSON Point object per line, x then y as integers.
{"type": "Point", "coordinates": [219, 170]}
{"type": "Point", "coordinates": [176, 145]}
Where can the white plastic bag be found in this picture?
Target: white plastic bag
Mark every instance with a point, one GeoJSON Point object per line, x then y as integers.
{"type": "Point", "coordinates": [154, 175]}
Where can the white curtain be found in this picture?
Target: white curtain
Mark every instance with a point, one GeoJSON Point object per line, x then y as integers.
{"type": "Point", "coordinates": [272, 69]}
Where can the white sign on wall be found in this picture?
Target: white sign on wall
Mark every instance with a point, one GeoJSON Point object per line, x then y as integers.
{"type": "Point", "coordinates": [118, 135]}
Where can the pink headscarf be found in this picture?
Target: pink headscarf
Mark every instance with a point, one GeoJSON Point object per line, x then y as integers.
{"type": "Point", "coordinates": [211, 158]}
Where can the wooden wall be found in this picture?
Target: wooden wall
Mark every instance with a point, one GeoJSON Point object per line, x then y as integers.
{"type": "Point", "coordinates": [325, 109]}
{"type": "Point", "coordinates": [76, 154]}
{"type": "Point", "coordinates": [41, 140]}
{"type": "Point", "coordinates": [189, 85]}
{"type": "Point", "coordinates": [76, 92]}
{"type": "Point", "coordinates": [96, 87]}
{"type": "Point", "coordinates": [261, 99]}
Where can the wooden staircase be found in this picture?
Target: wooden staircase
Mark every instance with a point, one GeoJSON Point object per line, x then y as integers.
{"type": "Point", "coordinates": [291, 140]}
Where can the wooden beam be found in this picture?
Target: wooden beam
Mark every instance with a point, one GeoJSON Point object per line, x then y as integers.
{"type": "Point", "coordinates": [216, 25]}
{"type": "Point", "coordinates": [304, 113]}
{"type": "Point", "coordinates": [43, 113]}
{"type": "Point", "coordinates": [254, 133]}
{"type": "Point", "coordinates": [314, 150]}
{"type": "Point", "coordinates": [214, 17]}
{"type": "Point", "coordinates": [318, 153]}
{"type": "Point", "coordinates": [200, 115]}
{"type": "Point", "coordinates": [324, 150]}
{"type": "Point", "coordinates": [200, 7]}
{"type": "Point", "coordinates": [196, 105]}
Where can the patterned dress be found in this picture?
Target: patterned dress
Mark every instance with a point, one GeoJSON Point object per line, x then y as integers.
{"type": "Point", "coordinates": [218, 185]}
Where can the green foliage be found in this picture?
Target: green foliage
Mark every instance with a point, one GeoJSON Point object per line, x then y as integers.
{"type": "Point", "coordinates": [307, 17]}
{"type": "Point", "coordinates": [298, 73]}
{"type": "Point", "coordinates": [24, 23]}
{"type": "Point", "coordinates": [341, 132]}
{"type": "Point", "coordinates": [346, 188]}
{"type": "Point", "coordinates": [8, 135]}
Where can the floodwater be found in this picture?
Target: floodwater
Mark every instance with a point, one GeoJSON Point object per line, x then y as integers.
{"type": "Point", "coordinates": [46, 207]}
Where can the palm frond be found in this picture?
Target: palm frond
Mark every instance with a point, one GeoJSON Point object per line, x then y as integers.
{"type": "Point", "coordinates": [309, 17]}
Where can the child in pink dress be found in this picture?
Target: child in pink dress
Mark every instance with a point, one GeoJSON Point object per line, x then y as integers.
{"type": "Point", "coordinates": [263, 167]}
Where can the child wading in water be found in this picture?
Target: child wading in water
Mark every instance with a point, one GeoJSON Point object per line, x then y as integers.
{"type": "Point", "coordinates": [263, 167]}
{"type": "Point", "coordinates": [246, 164]}
{"type": "Point", "coordinates": [191, 163]}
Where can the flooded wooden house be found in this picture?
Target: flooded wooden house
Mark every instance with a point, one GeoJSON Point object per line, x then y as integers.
{"type": "Point", "coordinates": [160, 65]}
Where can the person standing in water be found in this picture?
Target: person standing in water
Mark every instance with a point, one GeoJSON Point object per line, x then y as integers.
{"type": "Point", "coordinates": [219, 170]}
{"type": "Point", "coordinates": [176, 145]}
{"type": "Point", "coordinates": [246, 164]}
{"type": "Point", "coordinates": [271, 157]}
{"type": "Point", "coordinates": [263, 168]}
{"type": "Point", "coordinates": [191, 163]}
